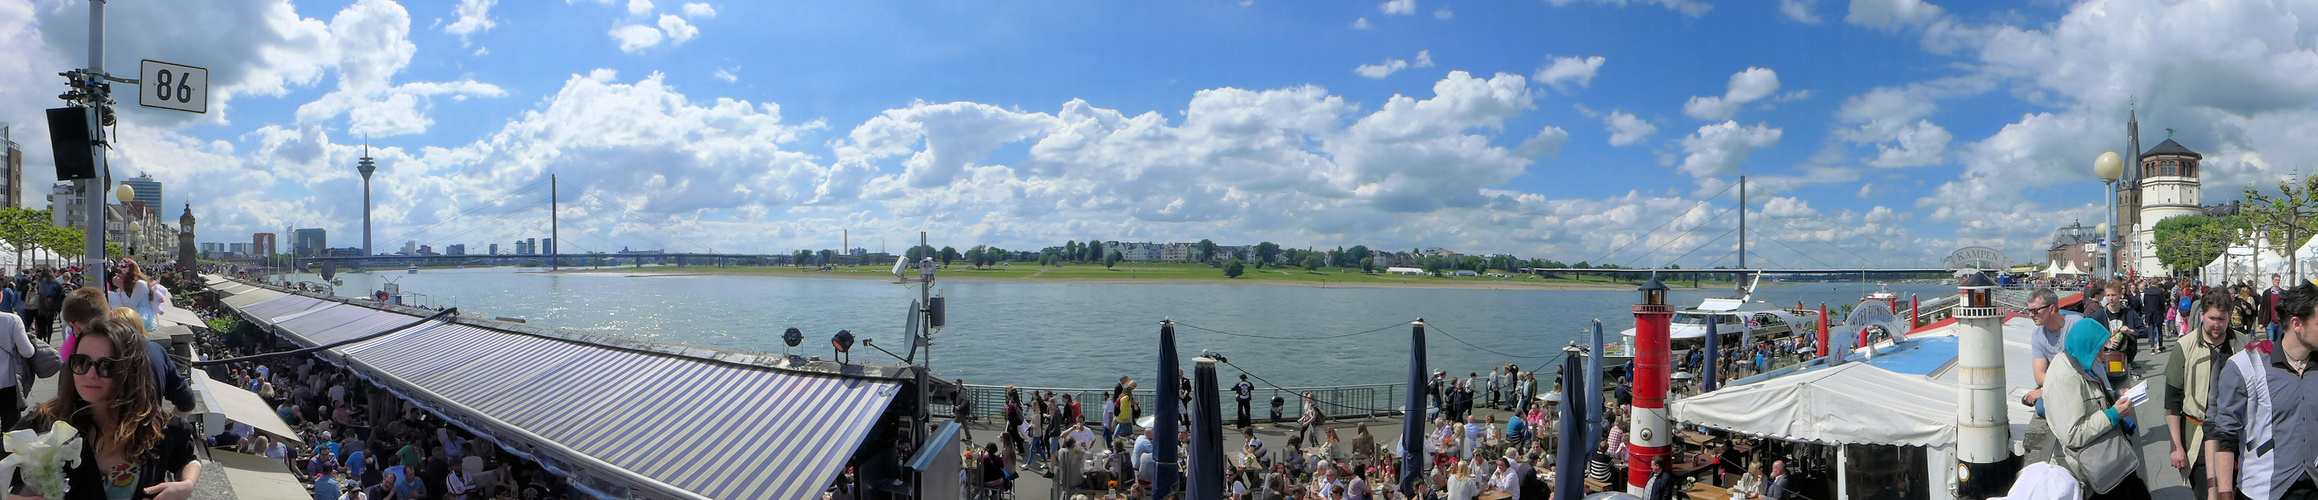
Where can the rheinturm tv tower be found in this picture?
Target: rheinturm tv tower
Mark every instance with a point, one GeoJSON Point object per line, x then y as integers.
{"type": "Point", "coordinates": [366, 166]}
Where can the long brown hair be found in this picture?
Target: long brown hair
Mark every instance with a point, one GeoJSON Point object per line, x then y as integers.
{"type": "Point", "coordinates": [135, 402]}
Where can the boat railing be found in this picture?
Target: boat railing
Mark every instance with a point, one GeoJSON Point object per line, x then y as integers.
{"type": "Point", "coordinates": [1336, 402]}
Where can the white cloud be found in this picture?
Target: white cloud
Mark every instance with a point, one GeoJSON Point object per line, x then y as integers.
{"type": "Point", "coordinates": [1866, 190]}
{"type": "Point", "coordinates": [698, 11]}
{"type": "Point", "coordinates": [1568, 71]}
{"type": "Point", "coordinates": [1692, 8]}
{"type": "Point", "coordinates": [474, 15]}
{"type": "Point", "coordinates": [678, 31]}
{"type": "Point", "coordinates": [1718, 149]}
{"type": "Point", "coordinates": [639, 7]}
{"type": "Point", "coordinates": [1745, 86]}
{"type": "Point", "coordinates": [1547, 142]}
{"type": "Point", "coordinates": [1390, 65]}
{"type": "Point", "coordinates": [1360, 24]}
{"type": "Point", "coordinates": [1401, 7]}
{"type": "Point", "coordinates": [1921, 144]}
{"type": "Point", "coordinates": [1444, 14]}
{"type": "Point", "coordinates": [635, 37]}
{"type": "Point", "coordinates": [1800, 10]}
{"type": "Point", "coordinates": [1890, 14]}
{"type": "Point", "coordinates": [729, 75]}
{"type": "Point", "coordinates": [1625, 128]}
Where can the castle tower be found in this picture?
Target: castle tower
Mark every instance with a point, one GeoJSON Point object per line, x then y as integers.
{"type": "Point", "coordinates": [2169, 188]}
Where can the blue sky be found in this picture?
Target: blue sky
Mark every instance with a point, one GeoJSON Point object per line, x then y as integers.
{"type": "Point", "coordinates": [1877, 132]}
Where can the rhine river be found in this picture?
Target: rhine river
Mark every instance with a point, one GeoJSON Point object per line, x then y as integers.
{"type": "Point", "coordinates": [1080, 335]}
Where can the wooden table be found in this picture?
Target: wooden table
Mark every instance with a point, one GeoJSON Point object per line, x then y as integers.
{"type": "Point", "coordinates": [1708, 492]}
{"type": "Point", "coordinates": [1698, 438]}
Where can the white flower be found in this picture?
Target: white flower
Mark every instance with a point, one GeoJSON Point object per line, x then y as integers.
{"type": "Point", "coordinates": [44, 456]}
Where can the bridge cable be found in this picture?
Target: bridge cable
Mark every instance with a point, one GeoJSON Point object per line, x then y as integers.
{"type": "Point", "coordinates": [1702, 246]}
{"type": "Point", "coordinates": [470, 210]}
{"type": "Point", "coordinates": [502, 217]}
{"type": "Point", "coordinates": [1717, 216]}
{"type": "Point", "coordinates": [1669, 220]}
{"type": "Point", "coordinates": [1815, 235]}
{"type": "Point", "coordinates": [639, 218]}
{"type": "Point", "coordinates": [1783, 244]}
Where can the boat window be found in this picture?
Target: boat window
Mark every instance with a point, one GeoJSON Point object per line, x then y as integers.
{"type": "Point", "coordinates": [1700, 319]}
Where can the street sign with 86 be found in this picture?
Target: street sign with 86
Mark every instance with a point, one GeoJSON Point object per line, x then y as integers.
{"type": "Point", "coordinates": [173, 86]}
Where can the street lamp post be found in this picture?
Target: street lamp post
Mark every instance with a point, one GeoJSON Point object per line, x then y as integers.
{"type": "Point", "coordinates": [2110, 166]}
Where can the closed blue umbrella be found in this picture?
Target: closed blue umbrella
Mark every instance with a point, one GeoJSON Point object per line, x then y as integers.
{"type": "Point", "coordinates": [1572, 451]}
{"type": "Point", "coordinates": [1713, 356]}
{"type": "Point", "coordinates": [1165, 428]}
{"type": "Point", "coordinates": [1594, 428]}
{"type": "Point", "coordinates": [1412, 441]}
{"type": "Point", "coordinates": [1206, 482]}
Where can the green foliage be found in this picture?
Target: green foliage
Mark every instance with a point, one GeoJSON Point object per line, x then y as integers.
{"type": "Point", "coordinates": [1234, 269]}
{"type": "Point", "coordinates": [2289, 218]}
{"type": "Point", "coordinates": [1312, 261]}
{"type": "Point", "coordinates": [2190, 241]}
{"type": "Point", "coordinates": [1111, 259]}
{"type": "Point", "coordinates": [1264, 253]}
{"type": "Point", "coordinates": [1204, 251]}
{"type": "Point", "coordinates": [1367, 264]}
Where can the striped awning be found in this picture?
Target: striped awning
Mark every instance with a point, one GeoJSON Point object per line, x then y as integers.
{"type": "Point", "coordinates": [717, 430]}
{"type": "Point", "coordinates": [707, 428]}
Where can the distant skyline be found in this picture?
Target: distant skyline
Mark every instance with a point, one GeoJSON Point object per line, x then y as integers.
{"type": "Point", "coordinates": [1876, 132]}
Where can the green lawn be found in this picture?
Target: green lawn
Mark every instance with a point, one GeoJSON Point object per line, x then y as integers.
{"type": "Point", "coordinates": [1178, 271]}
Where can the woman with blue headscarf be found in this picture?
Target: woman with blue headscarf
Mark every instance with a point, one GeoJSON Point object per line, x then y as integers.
{"type": "Point", "coordinates": [2091, 423]}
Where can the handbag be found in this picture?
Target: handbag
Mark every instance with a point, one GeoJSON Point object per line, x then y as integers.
{"type": "Point", "coordinates": [2113, 451]}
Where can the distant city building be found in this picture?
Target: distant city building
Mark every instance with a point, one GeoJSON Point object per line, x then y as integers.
{"type": "Point", "coordinates": [238, 248]}
{"type": "Point", "coordinates": [343, 252]}
{"type": "Point", "coordinates": [66, 207]}
{"type": "Point", "coordinates": [494, 249]}
{"type": "Point", "coordinates": [458, 249]}
{"type": "Point", "coordinates": [213, 249]}
{"type": "Point", "coordinates": [310, 242]}
{"type": "Point", "coordinates": [409, 247]}
{"type": "Point", "coordinates": [547, 246]}
{"type": "Point", "coordinates": [262, 244]}
{"type": "Point", "coordinates": [11, 169]}
{"type": "Point", "coordinates": [148, 190]}
{"type": "Point", "coordinates": [424, 250]}
{"type": "Point", "coordinates": [857, 252]}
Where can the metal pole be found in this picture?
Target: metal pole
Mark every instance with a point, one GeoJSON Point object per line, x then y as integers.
{"type": "Point", "coordinates": [553, 231]}
{"type": "Point", "coordinates": [94, 190]}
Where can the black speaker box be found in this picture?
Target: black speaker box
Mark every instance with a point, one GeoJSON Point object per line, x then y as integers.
{"type": "Point", "coordinates": [69, 134]}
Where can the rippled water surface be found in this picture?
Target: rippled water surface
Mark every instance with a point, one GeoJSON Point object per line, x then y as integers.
{"type": "Point", "coordinates": [1072, 334]}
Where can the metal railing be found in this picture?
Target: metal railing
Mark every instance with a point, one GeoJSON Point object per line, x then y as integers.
{"type": "Point", "coordinates": [988, 402]}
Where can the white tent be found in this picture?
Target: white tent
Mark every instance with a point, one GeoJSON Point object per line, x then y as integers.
{"type": "Point", "coordinates": [36, 257]}
{"type": "Point", "coordinates": [2071, 270]}
{"type": "Point", "coordinates": [2051, 269]}
{"type": "Point", "coordinates": [1848, 404]}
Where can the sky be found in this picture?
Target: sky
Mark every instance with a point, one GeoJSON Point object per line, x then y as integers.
{"type": "Point", "coordinates": [1878, 133]}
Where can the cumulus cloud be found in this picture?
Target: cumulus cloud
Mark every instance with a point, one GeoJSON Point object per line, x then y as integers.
{"type": "Point", "coordinates": [1398, 7]}
{"type": "Point", "coordinates": [1547, 142]}
{"type": "Point", "coordinates": [635, 37]}
{"type": "Point", "coordinates": [1566, 72]}
{"type": "Point", "coordinates": [699, 11]}
{"type": "Point", "coordinates": [474, 15]}
{"type": "Point", "coordinates": [639, 7]}
{"type": "Point", "coordinates": [1718, 149]}
{"type": "Point", "coordinates": [1745, 86]}
{"type": "Point", "coordinates": [678, 31]}
{"type": "Point", "coordinates": [1424, 59]}
{"type": "Point", "coordinates": [1891, 14]}
{"type": "Point", "coordinates": [1800, 10]}
{"type": "Point", "coordinates": [1360, 24]}
{"type": "Point", "coordinates": [729, 75]}
{"type": "Point", "coordinates": [1692, 8]}
{"type": "Point", "coordinates": [1625, 128]}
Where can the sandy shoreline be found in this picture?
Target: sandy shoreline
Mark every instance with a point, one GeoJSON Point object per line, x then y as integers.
{"type": "Point", "coordinates": [1445, 285]}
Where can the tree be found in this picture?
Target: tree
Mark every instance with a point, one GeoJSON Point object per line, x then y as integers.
{"type": "Point", "coordinates": [802, 257]}
{"type": "Point", "coordinates": [115, 250]}
{"type": "Point", "coordinates": [974, 256]}
{"type": "Point", "coordinates": [1206, 250]}
{"type": "Point", "coordinates": [1312, 261]}
{"type": "Point", "coordinates": [1368, 264]}
{"type": "Point", "coordinates": [1432, 264]}
{"type": "Point", "coordinates": [1233, 269]}
{"type": "Point", "coordinates": [2191, 241]}
{"type": "Point", "coordinates": [1264, 253]}
{"type": "Point", "coordinates": [1111, 259]}
{"type": "Point", "coordinates": [2289, 218]}
{"type": "Point", "coordinates": [948, 254]}
{"type": "Point", "coordinates": [1356, 254]}
{"type": "Point", "coordinates": [915, 253]}
{"type": "Point", "coordinates": [1094, 251]}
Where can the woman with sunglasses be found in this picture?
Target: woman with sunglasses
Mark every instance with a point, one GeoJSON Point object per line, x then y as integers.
{"type": "Point", "coordinates": [132, 447]}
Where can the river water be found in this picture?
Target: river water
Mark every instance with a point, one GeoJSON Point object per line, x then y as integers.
{"type": "Point", "coordinates": [1080, 335]}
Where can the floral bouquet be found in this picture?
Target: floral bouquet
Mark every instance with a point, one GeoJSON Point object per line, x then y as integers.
{"type": "Point", "coordinates": [42, 457]}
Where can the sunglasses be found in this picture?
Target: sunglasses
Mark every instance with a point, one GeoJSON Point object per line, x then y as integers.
{"type": "Point", "coordinates": [105, 367]}
{"type": "Point", "coordinates": [2041, 308]}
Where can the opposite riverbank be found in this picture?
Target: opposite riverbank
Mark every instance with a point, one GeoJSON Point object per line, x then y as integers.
{"type": "Point", "coordinates": [1155, 274]}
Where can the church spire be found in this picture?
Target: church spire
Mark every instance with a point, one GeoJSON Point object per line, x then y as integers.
{"type": "Point", "coordinates": [2133, 139]}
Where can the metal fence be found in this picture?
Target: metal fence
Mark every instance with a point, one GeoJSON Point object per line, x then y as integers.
{"type": "Point", "coordinates": [988, 402]}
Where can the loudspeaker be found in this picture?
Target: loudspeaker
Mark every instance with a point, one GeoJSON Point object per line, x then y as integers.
{"type": "Point", "coordinates": [70, 134]}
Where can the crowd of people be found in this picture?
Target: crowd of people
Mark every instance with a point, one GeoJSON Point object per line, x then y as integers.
{"type": "Point", "coordinates": [2240, 410]}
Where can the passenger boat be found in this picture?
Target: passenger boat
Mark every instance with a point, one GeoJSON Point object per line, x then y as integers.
{"type": "Point", "coordinates": [414, 269]}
